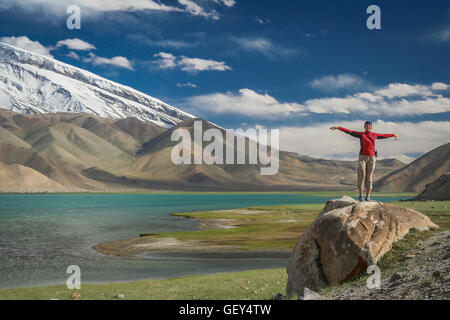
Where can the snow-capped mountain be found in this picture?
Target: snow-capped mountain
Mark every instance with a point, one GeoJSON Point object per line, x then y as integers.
{"type": "Point", "coordinates": [32, 84]}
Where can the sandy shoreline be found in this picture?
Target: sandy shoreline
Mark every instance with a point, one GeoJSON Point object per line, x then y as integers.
{"type": "Point", "coordinates": [154, 245]}
{"type": "Point", "coordinates": [171, 248]}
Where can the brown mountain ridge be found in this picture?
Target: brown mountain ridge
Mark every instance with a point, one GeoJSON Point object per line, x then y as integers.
{"type": "Point", "coordinates": [77, 152]}
{"type": "Point", "coordinates": [416, 175]}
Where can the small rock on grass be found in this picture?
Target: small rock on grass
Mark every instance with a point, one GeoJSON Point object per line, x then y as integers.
{"type": "Point", "coordinates": [436, 274]}
{"type": "Point", "coordinates": [395, 277]}
{"type": "Point", "coordinates": [76, 296]}
{"type": "Point", "coordinates": [277, 296]}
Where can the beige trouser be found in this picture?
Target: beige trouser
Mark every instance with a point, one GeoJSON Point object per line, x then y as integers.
{"type": "Point", "coordinates": [366, 167]}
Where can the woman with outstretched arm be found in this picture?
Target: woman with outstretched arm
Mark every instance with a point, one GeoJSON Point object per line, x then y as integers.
{"type": "Point", "coordinates": [367, 155]}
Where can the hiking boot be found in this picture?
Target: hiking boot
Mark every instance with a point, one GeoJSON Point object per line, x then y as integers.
{"type": "Point", "coordinates": [367, 198]}
{"type": "Point", "coordinates": [361, 199]}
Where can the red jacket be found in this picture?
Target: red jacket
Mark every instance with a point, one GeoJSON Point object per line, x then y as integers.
{"type": "Point", "coordinates": [367, 140]}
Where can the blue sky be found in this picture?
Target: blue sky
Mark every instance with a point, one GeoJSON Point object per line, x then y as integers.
{"type": "Point", "coordinates": [294, 65]}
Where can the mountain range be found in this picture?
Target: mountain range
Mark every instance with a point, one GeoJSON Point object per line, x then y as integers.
{"type": "Point", "coordinates": [64, 129]}
{"type": "Point", "coordinates": [62, 152]}
{"type": "Point", "coordinates": [416, 175]}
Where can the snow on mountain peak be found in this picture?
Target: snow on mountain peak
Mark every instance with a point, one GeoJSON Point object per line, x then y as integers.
{"type": "Point", "coordinates": [31, 83]}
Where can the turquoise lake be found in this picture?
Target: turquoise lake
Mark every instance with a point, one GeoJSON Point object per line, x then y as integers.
{"type": "Point", "coordinates": [42, 234]}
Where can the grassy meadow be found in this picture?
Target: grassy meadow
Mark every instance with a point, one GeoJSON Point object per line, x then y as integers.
{"type": "Point", "coordinates": [258, 228]}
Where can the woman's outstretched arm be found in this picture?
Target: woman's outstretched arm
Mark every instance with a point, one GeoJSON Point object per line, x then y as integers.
{"type": "Point", "coordinates": [385, 136]}
{"type": "Point", "coordinates": [355, 134]}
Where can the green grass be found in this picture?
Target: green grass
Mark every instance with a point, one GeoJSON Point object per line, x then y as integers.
{"type": "Point", "coordinates": [291, 208]}
{"type": "Point", "coordinates": [256, 284]}
{"type": "Point", "coordinates": [262, 228]}
{"type": "Point", "coordinates": [335, 194]}
{"type": "Point", "coordinates": [267, 228]}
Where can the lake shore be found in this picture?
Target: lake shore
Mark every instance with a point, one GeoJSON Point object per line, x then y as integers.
{"type": "Point", "coordinates": [70, 224]}
{"type": "Point", "coordinates": [264, 284]}
{"type": "Point", "coordinates": [422, 251]}
{"type": "Point", "coordinates": [258, 229]}
{"type": "Point", "coordinates": [266, 231]}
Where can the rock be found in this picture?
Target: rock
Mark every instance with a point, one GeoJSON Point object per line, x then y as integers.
{"type": "Point", "coordinates": [308, 294]}
{"type": "Point", "coordinates": [120, 296]}
{"type": "Point", "coordinates": [338, 203]}
{"type": "Point", "coordinates": [345, 239]}
{"type": "Point", "coordinates": [394, 284]}
{"type": "Point", "coordinates": [395, 277]}
{"type": "Point", "coordinates": [436, 274]}
{"type": "Point", "coordinates": [278, 296]}
{"type": "Point", "coordinates": [76, 295]}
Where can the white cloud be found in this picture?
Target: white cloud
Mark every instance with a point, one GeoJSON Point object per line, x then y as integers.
{"type": "Point", "coordinates": [171, 43]}
{"type": "Point", "coordinates": [197, 64]}
{"type": "Point", "coordinates": [169, 61]}
{"type": "Point", "coordinates": [368, 96]}
{"type": "Point", "coordinates": [310, 35]}
{"type": "Point", "coordinates": [261, 20]}
{"type": "Point", "coordinates": [196, 10]}
{"type": "Point", "coordinates": [340, 82]}
{"type": "Point", "coordinates": [75, 44]}
{"type": "Point", "coordinates": [399, 90]}
{"type": "Point", "coordinates": [320, 142]}
{"type": "Point", "coordinates": [166, 60]}
{"type": "Point", "coordinates": [163, 43]}
{"type": "Point", "coordinates": [90, 7]}
{"type": "Point", "coordinates": [121, 62]}
{"type": "Point", "coordinates": [227, 3]}
{"type": "Point", "coordinates": [186, 85]}
{"type": "Point", "coordinates": [120, 5]}
{"type": "Point", "coordinates": [73, 55]}
{"type": "Point", "coordinates": [263, 46]}
{"type": "Point", "coordinates": [439, 86]}
{"type": "Point", "coordinates": [442, 35]}
{"type": "Point", "coordinates": [393, 100]}
{"type": "Point", "coordinates": [246, 102]}
{"type": "Point", "coordinates": [23, 42]}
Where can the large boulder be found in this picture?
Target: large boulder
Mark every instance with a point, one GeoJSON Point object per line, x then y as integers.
{"type": "Point", "coordinates": [439, 189]}
{"type": "Point", "coordinates": [346, 238]}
